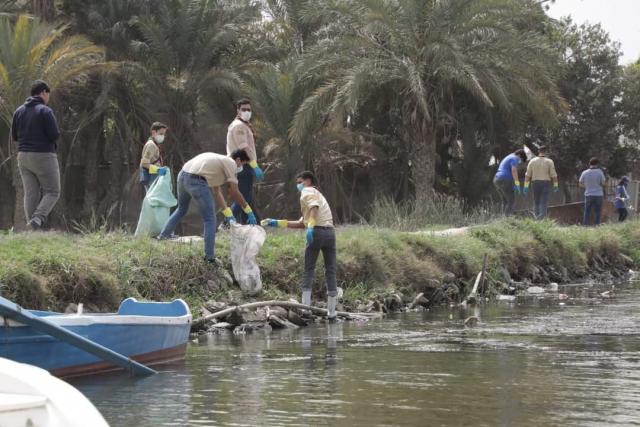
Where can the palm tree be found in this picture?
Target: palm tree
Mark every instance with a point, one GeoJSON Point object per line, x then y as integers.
{"type": "Point", "coordinates": [423, 52]}
{"type": "Point", "coordinates": [31, 49]}
{"type": "Point", "coordinates": [185, 50]}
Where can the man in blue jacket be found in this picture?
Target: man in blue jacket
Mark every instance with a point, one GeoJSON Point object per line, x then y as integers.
{"type": "Point", "coordinates": [35, 129]}
{"type": "Point", "coordinates": [506, 179]}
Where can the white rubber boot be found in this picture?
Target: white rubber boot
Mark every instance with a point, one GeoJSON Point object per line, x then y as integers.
{"type": "Point", "coordinates": [306, 297]}
{"type": "Point", "coordinates": [331, 307]}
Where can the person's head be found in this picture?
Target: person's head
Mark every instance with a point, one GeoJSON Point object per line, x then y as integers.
{"type": "Point", "coordinates": [623, 181]}
{"type": "Point", "coordinates": [305, 179]}
{"type": "Point", "coordinates": [158, 132]}
{"type": "Point", "coordinates": [593, 162]}
{"type": "Point", "coordinates": [41, 88]}
{"type": "Point", "coordinates": [542, 150]}
{"type": "Point", "coordinates": [521, 153]}
{"type": "Point", "coordinates": [241, 158]}
{"type": "Point", "coordinates": [243, 109]}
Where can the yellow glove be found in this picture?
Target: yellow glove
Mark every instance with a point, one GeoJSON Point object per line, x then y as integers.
{"type": "Point", "coordinates": [247, 209]}
{"type": "Point", "coordinates": [153, 169]}
{"type": "Point", "coordinates": [228, 215]}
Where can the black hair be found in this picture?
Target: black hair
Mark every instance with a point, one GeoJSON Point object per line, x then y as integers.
{"type": "Point", "coordinates": [307, 175]}
{"type": "Point", "coordinates": [38, 87]}
{"type": "Point", "coordinates": [240, 154]}
{"type": "Point", "coordinates": [593, 161]}
{"type": "Point", "coordinates": [157, 126]}
{"type": "Point", "coordinates": [542, 148]}
{"type": "Point", "coordinates": [624, 180]}
{"type": "Point", "coordinates": [242, 101]}
{"type": "Point", "coordinates": [521, 153]}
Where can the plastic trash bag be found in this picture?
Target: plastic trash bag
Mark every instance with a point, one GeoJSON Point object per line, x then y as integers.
{"type": "Point", "coordinates": [155, 207]}
{"type": "Point", "coordinates": [246, 241]}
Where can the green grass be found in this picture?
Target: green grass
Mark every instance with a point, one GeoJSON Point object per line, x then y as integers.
{"type": "Point", "coordinates": [50, 270]}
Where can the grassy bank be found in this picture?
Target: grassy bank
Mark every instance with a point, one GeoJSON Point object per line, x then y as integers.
{"type": "Point", "coordinates": [50, 270]}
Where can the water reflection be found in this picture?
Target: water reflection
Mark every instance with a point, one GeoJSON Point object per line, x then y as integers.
{"type": "Point", "coordinates": [524, 363]}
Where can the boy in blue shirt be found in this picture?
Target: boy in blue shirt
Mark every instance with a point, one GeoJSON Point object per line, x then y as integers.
{"type": "Point", "coordinates": [506, 179]}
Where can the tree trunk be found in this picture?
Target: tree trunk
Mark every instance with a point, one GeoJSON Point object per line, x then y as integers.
{"type": "Point", "coordinates": [423, 159]}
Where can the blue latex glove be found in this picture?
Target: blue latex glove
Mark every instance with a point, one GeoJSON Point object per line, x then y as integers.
{"type": "Point", "coordinates": [162, 171]}
{"type": "Point", "coordinates": [516, 189]}
{"type": "Point", "coordinates": [251, 219]}
{"type": "Point", "coordinates": [270, 222]}
{"type": "Point", "coordinates": [309, 235]}
{"type": "Point", "coordinates": [555, 189]}
{"type": "Point", "coordinates": [526, 190]}
{"type": "Point", "coordinates": [259, 174]}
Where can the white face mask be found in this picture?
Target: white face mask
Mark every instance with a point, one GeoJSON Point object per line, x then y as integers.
{"type": "Point", "coordinates": [239, 169]}
{"type": "Point", "coordinates": [245, 115]}
{"type": "Point", "coordinates": [159, 138]}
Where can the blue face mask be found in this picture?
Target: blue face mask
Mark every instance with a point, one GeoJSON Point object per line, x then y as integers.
{"type": "Point", "coordinates": [300, 186]}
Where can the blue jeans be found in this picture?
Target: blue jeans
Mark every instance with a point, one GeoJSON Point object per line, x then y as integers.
{"type": "Point", "coordinates": [505, 189]}
{"type": "Point", "coordinates": [592, 203]}
{"type": "Point", "coordinates": [195, 187]}
{"type": "Point", "coordinates": [146, 179]}
{"type": "Point", "coordinates": [245, 185]}
{"type": "Point", "coordinates": [541, 190]}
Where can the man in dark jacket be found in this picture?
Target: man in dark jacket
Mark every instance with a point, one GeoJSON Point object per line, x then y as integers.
{"type": "Point", "coordinates": [35, 129]}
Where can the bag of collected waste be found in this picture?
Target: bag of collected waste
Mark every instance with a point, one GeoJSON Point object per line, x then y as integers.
{"type": "Point", "coordinates": [246, 241]}
{"type": "Point", "coordinates": [155, 207]}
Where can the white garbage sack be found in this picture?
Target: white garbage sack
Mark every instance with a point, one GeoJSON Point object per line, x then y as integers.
{"type": "Point", "coordinates": [246, 241]}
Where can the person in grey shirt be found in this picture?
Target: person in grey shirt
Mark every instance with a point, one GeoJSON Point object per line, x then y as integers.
{"type": "Point", "coordinates": [593, 181]}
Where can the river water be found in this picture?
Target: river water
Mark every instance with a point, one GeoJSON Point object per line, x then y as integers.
{"type": "Point", "coordinates": [538, 361]}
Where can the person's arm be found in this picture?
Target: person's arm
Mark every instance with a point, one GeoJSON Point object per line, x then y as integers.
{"type": "Point", "coordinates": [581, 180]}
{"type": "Point", "coordinates": [51, 126]}
{"type": "Point", "coordinates": [554, 175]}
{"type": "Point", "coordinates": [14, 128]}
{"type": "Point", "coordinates": [220, 202]}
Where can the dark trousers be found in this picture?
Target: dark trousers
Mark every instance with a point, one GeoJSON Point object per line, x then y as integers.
{"type": "Point", "coordinates": [245, 185]}
{"type": "Point", "coordinates": [505, 189]}
{"type": "Point", "coordinates": [592, 203]}
{"type": "Point", "coordinates": [541, 190]}
{"type": "Point", "coordinates": [324, 239]}
{"type": "Point", "coordinates": [622, 214]}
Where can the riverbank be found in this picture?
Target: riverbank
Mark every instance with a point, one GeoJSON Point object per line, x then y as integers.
{"type": "Point", "coordinates": [388, 268]}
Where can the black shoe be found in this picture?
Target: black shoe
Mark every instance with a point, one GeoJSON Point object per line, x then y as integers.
{"type": "Point", "coordinates": [169, 237]}
{"type": "Point", "coordinates": [35, 224]}
{"type": "Point", "coordinates": [215, 262]}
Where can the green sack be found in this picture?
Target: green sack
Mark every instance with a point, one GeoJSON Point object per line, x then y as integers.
{"type": "Point", "coordinates": [156, 206]}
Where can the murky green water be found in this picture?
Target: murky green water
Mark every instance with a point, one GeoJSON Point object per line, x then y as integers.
{"type": "Point", "coordinates": [539, 363]}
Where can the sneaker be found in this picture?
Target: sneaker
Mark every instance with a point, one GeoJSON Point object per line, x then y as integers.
{"type": "Point", "coordinates": [169, 237]}
{"type": "Point", "coordinates": [35, 224]}
{"type": "Point", "coordinates": [215, 262]}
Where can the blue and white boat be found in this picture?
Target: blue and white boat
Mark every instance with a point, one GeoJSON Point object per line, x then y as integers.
{"type": "Point", "coordinates": [147, 332]}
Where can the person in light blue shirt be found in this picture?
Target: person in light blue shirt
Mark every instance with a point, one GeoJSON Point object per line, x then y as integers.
{"type": "Point", "coordinates": [506, 179]}
{"type": "Point", "coordinates": [593, 181]}
{"type": "Point", "coordinates": [622, 197]}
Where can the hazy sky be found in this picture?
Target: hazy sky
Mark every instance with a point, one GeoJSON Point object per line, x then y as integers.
{"type": "Point", "coordinates": [620, 18]}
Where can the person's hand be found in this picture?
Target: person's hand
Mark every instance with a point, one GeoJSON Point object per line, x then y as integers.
{"type": "Point", "coordinates": [556, 189]}
{"type": "Point", "coordinates": [270, 222]}
{"type": "Point", "coordinates": [526, 189]}
{"type": "Point", "coordinates": [251, 219]}
{"type": "Point", "coordinates": [309, 235]}
{"type": "Point", "coordinates": [516, 187]}
{"type": "Point", "coordinates": [228, 216]}
{"type": "Point", "coordinates": [259, 174]}
{"type": "Point", "coordinates": [163, 171]}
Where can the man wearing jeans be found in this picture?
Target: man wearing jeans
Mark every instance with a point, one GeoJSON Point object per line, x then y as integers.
{"type": "Point", "coordinates": [200, 176]}
{"type": "Point", "coordinates": [541, 172]}
{"type": "Point", "coordinates": [35, 129]}
{"type": "Point", "coordinates": [593, 181]}
{"type": "Point", "coordinates": [240, 136]}
{"type": "Point", "coordinates": [507, 181]}
{"type": "Point", "coordinates": [320, 236]}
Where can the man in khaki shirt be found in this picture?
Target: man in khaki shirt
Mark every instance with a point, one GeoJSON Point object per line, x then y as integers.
{"type": "Point", "coordinates": [240, 136]}
{"type": "Point", "coordinates": [151, 160]}
{"type": "Point", "coordinates": [321, 236]}
{"type": "Point", "coordinates": [541, 172]}
{"type": "Point", "coordinates": [200, 176]}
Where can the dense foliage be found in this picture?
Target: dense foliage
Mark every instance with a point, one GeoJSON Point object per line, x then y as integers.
{"type": "Point", "coordinates": [382, 99]}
